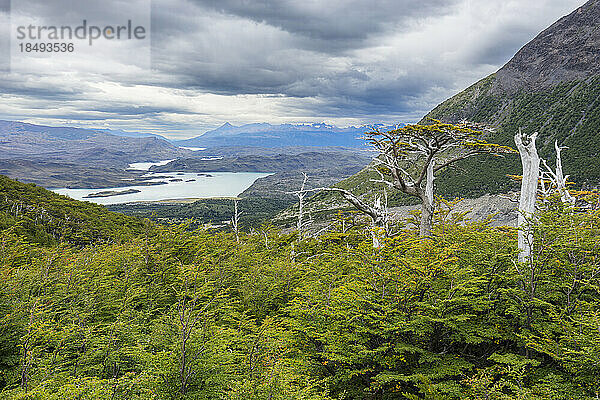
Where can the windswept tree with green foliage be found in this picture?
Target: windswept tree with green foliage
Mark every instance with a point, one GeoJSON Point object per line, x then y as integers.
{"type": "Point", "coordinates": [410, 158]}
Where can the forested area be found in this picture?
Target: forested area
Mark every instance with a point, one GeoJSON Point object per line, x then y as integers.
{"type": "Point", "coordinates": [41, 216]}
{"type": "Point", "coordinates": [352, 269]}
{"type": "Point", "coordinates": [253, 210]}
{"type": "Point", "coordinates": [165, 312]}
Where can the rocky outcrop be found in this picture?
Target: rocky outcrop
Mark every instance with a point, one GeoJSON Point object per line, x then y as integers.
{"type": "Point", "coordinates": [568, 50]}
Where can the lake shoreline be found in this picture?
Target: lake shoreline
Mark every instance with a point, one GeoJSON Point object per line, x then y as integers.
{"type": "Point", "coordinates": [175, 187]}
{"type": "Point", "coordinates": [188, 200]}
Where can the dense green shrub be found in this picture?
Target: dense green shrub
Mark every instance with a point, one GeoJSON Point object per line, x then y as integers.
{"type": "Point", "coordinates": [179, 314]}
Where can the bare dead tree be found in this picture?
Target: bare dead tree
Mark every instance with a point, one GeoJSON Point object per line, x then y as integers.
{"type": "Point", "coordinates": [555, 180]}
{"type": "Point", "coordinates": [412, 156]}
{"type": "Point", "coordinates": [265, 234]}
{"type": "Point", "coordinates": [529, 190]}
{"type": "Point", "coordinates": [378, 212]}
{"type": "Point", "coordinates": [301, 194]}
{"type": "Point", "coordinates": [235, 220]}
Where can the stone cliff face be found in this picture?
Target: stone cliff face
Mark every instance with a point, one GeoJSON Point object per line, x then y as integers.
{"type": "Point", "coordinates": [568, 50]}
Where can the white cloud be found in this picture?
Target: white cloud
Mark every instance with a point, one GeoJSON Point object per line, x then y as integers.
{"type": "Point", "coordinates": [346, 62]}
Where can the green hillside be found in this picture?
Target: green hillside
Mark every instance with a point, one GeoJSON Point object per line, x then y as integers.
{"type": "Point", "coordinates": [46, 217]}
{"type": "Point", "coordinates": [181, 315]}
{"type": "Point", "coordinates": [568, 113]}
{"type": "Point", "coordinates": [96, 305]}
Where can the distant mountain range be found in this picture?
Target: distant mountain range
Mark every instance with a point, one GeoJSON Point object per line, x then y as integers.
{"type": "Point", "coordinates": [285, 135]}
{"type": "Point", "coordinates": [75, 157]}
{"type": "Point", "coordinates": [19, 139]}
{"type": "Point", "coordinates": [24, 141]}
{"type": "Point", "coordinates": [122, 133]}
{"type": "Point", "coordinates": [64, 156]}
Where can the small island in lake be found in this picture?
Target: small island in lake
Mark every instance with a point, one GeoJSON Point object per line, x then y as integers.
{"type": "Point", "coordinates": [110, 193]}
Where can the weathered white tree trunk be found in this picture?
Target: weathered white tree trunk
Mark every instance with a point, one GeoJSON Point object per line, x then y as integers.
{"type": "Point", "coordinates": [555, 181]}
{"type": "Point", "coordinates": [375, 237]}
{"type": "Point", "coordinates": [235, 221]}
{"type": "Point", "coordinates": [427, 205]}
{"type": "Point", "coordinates": [301, 193]}
{"type": "Point", "coordinates": [376, 223]}
{"type": "Point", "coordinates": [561, 179]}
{"type": "Point", "coordinates": [378, 213]}
{"type": "Point", "coordinates": [529, 188]}
{"type": "Point", "coordinates": [300, 223]}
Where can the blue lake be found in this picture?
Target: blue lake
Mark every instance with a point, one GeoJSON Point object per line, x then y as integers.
{"type": "Point", "coordinates": [191, 186]}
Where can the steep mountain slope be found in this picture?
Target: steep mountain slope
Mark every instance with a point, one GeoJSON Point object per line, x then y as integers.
{"type": "Point", "coordinates": [267, 135]}
{"type": "Point", "coordinates": [566, 51]}
{"type": "Point", "coordinates": [552, 85]}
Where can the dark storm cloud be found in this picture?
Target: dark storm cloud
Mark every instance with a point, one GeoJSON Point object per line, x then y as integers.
{"type": "Point", "coordinates": [126, 110]}
{"type": "Point", "coordinates": [309, 50]}
{"type": "Point", "coordinates": [364, 96]}
{"type": "Point", "coordinates": [30, 86]}
{"type": "Point", "coordinates": [389, 60]}
{"type": "Point", "coordinates": [333, 23]}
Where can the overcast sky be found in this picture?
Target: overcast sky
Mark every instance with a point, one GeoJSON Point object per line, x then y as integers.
{"type": "Point", "coordinates": [345, 62]}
